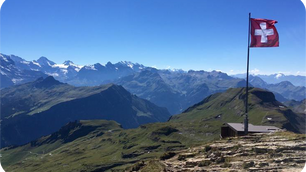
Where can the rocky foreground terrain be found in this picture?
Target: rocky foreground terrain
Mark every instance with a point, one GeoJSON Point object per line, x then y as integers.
{"type": "Point", "coordinates": [281, 151]}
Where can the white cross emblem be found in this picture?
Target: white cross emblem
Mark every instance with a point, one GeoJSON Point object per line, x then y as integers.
{"type": "Point", "coordinates": [264, 32]}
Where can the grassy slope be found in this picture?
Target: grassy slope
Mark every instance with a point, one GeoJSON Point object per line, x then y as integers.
{"type": "Point", "coordinates": [31, 98]}
{"type": "Point", "coordinates": [114, 147]}
{"type": "Point", "coordinates": [118, 149]}
{"type": "Point", "coordinates": [229, 107]}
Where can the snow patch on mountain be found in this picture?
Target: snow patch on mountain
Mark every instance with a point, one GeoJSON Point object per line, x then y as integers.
{"type": "Point", "coordinates": [52, 74]}
{"type": "Point", "coordinates": [25, 62]}
{"type": "Point", "coordinates": [279, 75]}
{"type": "Point", "coordinates": [35, 63]}
{"type": "Point", "coordinates": [60, 66]}
{"type": "Point", "coordinates": [15, 80]}
{"type": "Point", "coordinates": [130, 65]}
{"type": "Point", "coordinates": [90, 67]}
{"type": "Point", "coordinates": [78, 69]}
{"type": "Point", "coordinates": [4, 58]}
{"type": "Point", "coordinates": [66, 65]}
{"type": "Point", "coordinates": [2, 73]}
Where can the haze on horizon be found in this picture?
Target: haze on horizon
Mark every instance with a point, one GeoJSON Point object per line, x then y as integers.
{"type": "Point", "coordinates": [202, 35]}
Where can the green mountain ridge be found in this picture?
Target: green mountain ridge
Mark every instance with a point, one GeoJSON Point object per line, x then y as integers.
{"type": "Point", "coordinates": [39, 108]}
{"type": "Point", "coordinates": [229, 106]}
{"type": "Point", "coordinates": [40, 95]}
{"type": "Point", "coordinates": [104, 146]}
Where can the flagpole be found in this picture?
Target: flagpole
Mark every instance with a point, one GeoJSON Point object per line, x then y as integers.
{"type": "Point", "coordinates": [246, 120]}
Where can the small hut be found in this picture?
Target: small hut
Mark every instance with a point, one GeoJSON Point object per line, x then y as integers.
{"type": "Point", "coordinates": [237, 129]}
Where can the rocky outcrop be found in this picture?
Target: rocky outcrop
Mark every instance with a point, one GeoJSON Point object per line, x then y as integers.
{"type": "Point", "coordinates": [281, 151]}
{"type": "Point", "coordinates": [258, 152]}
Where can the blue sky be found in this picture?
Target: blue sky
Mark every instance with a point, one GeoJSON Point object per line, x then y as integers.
{"type": "Point", "coordinates": [195, 34]}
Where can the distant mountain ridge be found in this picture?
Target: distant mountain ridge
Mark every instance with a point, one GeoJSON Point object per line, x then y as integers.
{"type": "Point", "coordinates": [297, 80]}
{"type": "Point", "coordinates": [68, 72]}
{"type": "Point", "coordinates": [76, 74]}
{"type": "Point", "coordinates": [12, 74]}
{"type": "Point", "coordinates": [97, 74]}
{"type": "Point", "coordinates": [41, 107]}
{"type": "Point", "coordinates": [177, 90]}
{"type": "Point", "coordinates": [183, 88]}
{"type": "Point", "coordinates": [284, 90]}
{"type": "Point", "coordinates": [297, 106]}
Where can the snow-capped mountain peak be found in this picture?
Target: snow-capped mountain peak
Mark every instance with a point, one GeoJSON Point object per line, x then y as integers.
{"type": "Point", "coordinates": [44, 61]}
{"type": "Point", "coordinates": [6, 60]}
{"type": "Point", "coordinates": [68, 63]}
{"type": "Point", "coordinates": [128, 64]}
{"type": "Point", "coordinates": [16, 72]}
{"type": "Point", "coordinates": [134, 66]}
{"type": "Point", "coordinates": [89, 67]}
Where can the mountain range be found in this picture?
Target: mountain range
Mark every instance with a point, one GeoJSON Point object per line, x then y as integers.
{"type": "Point", "coordinates": [11, 74]}
{"type": "Point", "coordinates": [177, 90]}
{"type": "Point", "coordinates": [41, 107]}
{"type": "Point", "coordinates": [174, 89]}
{"type": "Point", "coordinates": [296, 80]}
{"type": "Point", "coordinates": [68, 72]}
{"type": "Point", "coordinates": [284, 90]}
{"type": "Point", "coordinates": [98, 145]}
{"type": "Point", "coordinates": [182, 88]}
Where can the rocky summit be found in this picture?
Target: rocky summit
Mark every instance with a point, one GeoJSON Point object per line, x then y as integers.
{"type": "Point", "coordinates": [281, 151]}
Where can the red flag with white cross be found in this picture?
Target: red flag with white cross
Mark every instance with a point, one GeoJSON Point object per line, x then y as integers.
{"type": "Point", "coordinates": [264, 33]}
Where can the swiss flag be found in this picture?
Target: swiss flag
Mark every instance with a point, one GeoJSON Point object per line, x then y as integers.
{"type": "Point", "coordinates": [263, 33]}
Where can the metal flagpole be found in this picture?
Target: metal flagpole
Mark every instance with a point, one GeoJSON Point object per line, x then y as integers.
{"type": "Point", "coordinates": [246, 120]}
